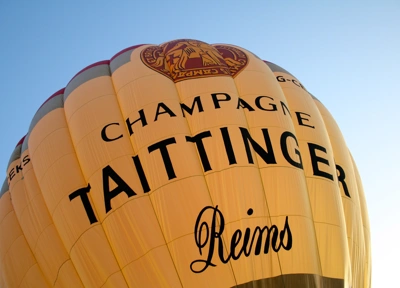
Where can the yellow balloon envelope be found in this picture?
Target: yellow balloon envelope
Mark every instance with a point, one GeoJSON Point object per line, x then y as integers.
{"type": "Point", "coordinates": [183, 165]}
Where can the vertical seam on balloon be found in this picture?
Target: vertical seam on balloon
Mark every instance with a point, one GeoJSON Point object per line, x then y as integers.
{"type": "Point", "coordinates": [355, 201]}
{"type": "Point", "coordinates": [206, 183]}
{"type": "Point", "coordinates": [208, 189]}
{"type": "Point", "coordinates": [309, 200]}
{"type": "Point", "coordinates": [65, 261]}
{"type": "Point", "coordinates": [365, 221]}
{"type": "Point", "coordinates": [131, 140]}
{"type": "Point", "coordinates": [30, 201]}
{"type": "Point", "coordinates": [52, 223]}
{"type": "Point", "coordinates": [50, 215]}
{"type": "Point", "coordinates": [363, 227]}
{"type": "Point", "coordinates": [314, 103]}
{"type": "Point", "coordinates": [256, 162]}
{"type": "Point", "coordinates": [22, 232]}
{"type": "Point", "coordinates": [88, 194]}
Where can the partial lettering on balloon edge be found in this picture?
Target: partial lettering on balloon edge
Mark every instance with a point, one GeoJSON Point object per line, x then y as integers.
{"type": "Point", "coordinates": [209, 239]}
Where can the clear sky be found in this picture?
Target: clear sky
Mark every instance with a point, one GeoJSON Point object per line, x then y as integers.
{"type": "Point", "coordinates": [346, 53]}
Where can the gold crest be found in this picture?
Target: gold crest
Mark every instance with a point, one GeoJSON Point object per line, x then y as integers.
{"type": "Point", "coordinates": [186, 59]}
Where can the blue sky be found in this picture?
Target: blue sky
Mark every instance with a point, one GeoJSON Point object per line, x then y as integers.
{"type": "Point", "coordinates": [345, 52]}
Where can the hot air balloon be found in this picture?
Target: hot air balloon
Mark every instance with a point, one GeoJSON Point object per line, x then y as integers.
{"type": "Point", "coordinates": [183, 165]}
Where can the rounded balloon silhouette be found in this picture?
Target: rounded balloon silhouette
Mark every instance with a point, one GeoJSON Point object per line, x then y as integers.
{"type": "Point", "coordinates": [183, 165]}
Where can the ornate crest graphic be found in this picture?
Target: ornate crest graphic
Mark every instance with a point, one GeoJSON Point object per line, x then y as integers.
{"type": "Point", "coordinates": [186, 59]}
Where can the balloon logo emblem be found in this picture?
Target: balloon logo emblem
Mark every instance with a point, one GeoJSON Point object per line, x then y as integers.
{"type": "Point", "coordinates": [187, 59]}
